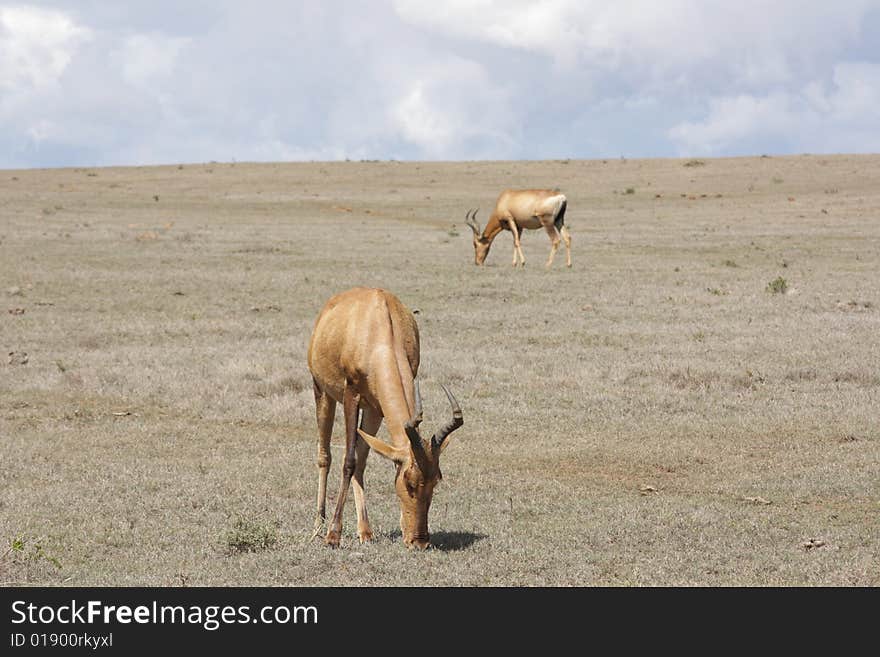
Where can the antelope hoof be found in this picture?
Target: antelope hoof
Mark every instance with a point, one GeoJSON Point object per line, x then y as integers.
{"type": "Point", "coordinates": [332, 538]}
{"type": "Point", "coordinates": [365, 535]}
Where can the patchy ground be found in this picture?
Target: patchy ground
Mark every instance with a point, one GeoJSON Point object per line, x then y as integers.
{"type": "Point", "coordinates": [695, 402]}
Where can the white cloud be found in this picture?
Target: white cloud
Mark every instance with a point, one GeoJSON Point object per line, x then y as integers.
{"type": "Point", "coordinates": [451, 104]}
{"type": "Point", "coordinates": [147, 81]}
{"type": "Point", "coordinates": [147, 57]}
{"type": "Point", "coordinates": [813, 118]}
{"type": "Point", "coordinates": [36, 45]}
{"type": "Point", "coordinates": [679, 41]}
{"type": "Point", "coordinates": [423, 124]}
{"type": "Point", "coordinates": [734, 118]}
{"type": "Point", "coordinates": [542, 27]}
{"type": "Point", "coordinates": [857, 92]}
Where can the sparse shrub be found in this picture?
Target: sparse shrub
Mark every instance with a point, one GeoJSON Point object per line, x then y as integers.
{"type": "Point", "coordinates": [452, 231]}
{"type": "Point", "coordinates": [694, 163]}
{"type": "Point", "coordinates": [730, 263]}
{"type": "Point", "coordinates": [714, 290]}
{"type": "Point", "coordinates": [40, 554]}
{"type": "Point", "coordinates": [860, 378]}
{"type": "Point", "coordinates": [802, 374]}
{"type": "Point", "coordinates": [251, 535]}
{"type": "Point", "coordinates": [29, 551]}
{"type": "Point", "coordinates": [749, 379]}
{"type": "Point", "coordinates": [778, 285]}
{"type": "Point", "coordinates": [692, 380]}
{"type": "Point", "coordinates": [630, 190]}
{"type": "Point", "coordinates": [777, 180]}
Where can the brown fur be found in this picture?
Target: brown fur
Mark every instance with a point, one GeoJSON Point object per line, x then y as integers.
{"type": "Point", "coordinates": [520, 209]}
{"type": "Point", "coordinates": [364, 353]}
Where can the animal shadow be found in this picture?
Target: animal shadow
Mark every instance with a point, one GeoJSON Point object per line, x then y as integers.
{"type": "Point", "coordinates": [454, 541]}
{"type": "Point", "coordinates": [446, 541]}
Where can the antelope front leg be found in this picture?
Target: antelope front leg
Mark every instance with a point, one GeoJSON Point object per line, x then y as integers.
{"type": "Point", "coordinates": [350, 401]}
{"type": "Point", "coordinates": [370, 421]}
{"type": "Point", "coordinates": [325, 408]}
{"type": "Point", "coordinates": [517, 249]}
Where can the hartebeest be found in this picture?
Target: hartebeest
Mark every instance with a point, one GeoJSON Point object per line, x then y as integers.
{"type": "Point", "coordinates": [364, 353]}
{"type": "Point", "coordinates": [519, 209]}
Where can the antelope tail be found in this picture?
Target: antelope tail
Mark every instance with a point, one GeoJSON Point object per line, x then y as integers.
{"type": "Point", "coordinates": [559, 221]}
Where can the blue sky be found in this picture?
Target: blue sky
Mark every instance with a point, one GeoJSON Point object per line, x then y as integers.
{"type": "Point", "coordinates": [92, 82]}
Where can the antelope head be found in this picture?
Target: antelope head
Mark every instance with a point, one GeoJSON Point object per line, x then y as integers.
{"type": "Point", "coordinates": [481, 244]}
{"type": "Point", "coordinates": [418, 469]}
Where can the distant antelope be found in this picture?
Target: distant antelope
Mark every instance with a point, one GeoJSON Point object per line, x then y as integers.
{"type": "Point", "coordinates": [516, 210]}
{"type": "Point", "coordinates": [364, 352]}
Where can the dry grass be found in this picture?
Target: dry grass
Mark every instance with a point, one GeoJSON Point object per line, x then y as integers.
{"type": "Point", "coordinates": [651, 416]}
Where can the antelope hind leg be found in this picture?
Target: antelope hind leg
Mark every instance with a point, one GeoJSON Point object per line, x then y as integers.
{"type": "Point", "coordinates": [554, 242]}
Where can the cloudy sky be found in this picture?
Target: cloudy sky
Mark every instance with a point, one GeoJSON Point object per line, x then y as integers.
{"type": "Point", "coordinates": [92, 82]}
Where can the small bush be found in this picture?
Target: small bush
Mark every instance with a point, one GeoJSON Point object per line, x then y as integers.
{"type": "Point", "coordinates": [29, 551]}
{"type": "Point", "coordinates": [730, 263]}
{"type": "Point", "coordinates": [778, 285]}
{"type": "Point", "coordinates": [252, 536]}
{"type": "Point", "coordinates": [694, 163]}
{"type": "Point", "coordinates": [630, 190]}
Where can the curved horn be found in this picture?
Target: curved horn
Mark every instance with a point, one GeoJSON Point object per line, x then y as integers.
{"type": "Point", "coordinates": [416, 419]}
{"type": "Point", "coordinates": [471, 220]}
{"type": "Point", "coordinates": [440, 439]}
{"type": "Point", "coordinates": [412, 432]}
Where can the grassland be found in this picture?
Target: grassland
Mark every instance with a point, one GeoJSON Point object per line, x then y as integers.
{"type": "Point", "coordinates": [665, 412]}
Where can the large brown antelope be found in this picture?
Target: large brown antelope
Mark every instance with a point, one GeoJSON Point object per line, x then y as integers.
{"type": "Point", "coordinates": [364, 353]}
{"type": "Point", "coordinates": [517, 210]}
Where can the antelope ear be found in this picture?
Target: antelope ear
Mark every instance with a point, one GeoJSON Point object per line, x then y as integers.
{"type": "Point", "coordinates": [384, 449]}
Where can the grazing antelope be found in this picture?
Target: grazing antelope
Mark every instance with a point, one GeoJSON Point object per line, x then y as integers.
{"type": "Point", "coordinates": [364, 353]}
{"type": "Point", "coordinates": [518, 209]}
